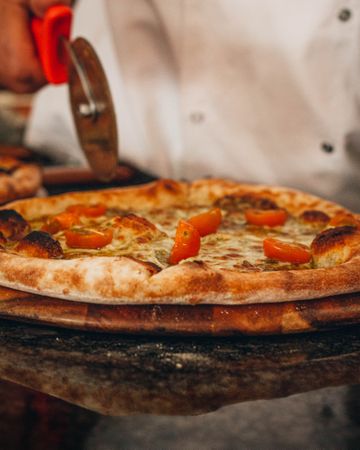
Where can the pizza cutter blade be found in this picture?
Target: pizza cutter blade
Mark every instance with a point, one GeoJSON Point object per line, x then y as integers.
{"type": "Point", "coordinates": [92, 109]}
{"type": "Point", "coordinates": [90, 98]}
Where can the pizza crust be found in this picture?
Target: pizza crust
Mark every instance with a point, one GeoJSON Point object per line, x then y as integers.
{"type": "Point", "coordinates": [23, 182]}
{"type": "Point", "coordinates": [123, 280]}
{"type": "Point", "coordinates": [112, 280]}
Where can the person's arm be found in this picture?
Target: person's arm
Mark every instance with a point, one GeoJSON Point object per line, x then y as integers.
{"type": "Point", "coordinates": [20, 68]}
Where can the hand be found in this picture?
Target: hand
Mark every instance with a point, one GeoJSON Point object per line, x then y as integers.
{"type": "Point", "coordinates": [20, 67]}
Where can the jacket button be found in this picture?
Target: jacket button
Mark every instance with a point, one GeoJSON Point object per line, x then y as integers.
{"type": "Point", "coordinates": [344, 15]}
{"type": "Point", "coordinates": [327, 148]}
{"type": "Point", "coordinates": [197, 117]}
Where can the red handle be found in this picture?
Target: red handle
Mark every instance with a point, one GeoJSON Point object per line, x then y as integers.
{"type": "Point", "coordinates": [48, 33]}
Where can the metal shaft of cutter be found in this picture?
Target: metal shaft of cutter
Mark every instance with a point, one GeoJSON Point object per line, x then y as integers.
{"type": "Point", "coordinates": [90, 109]}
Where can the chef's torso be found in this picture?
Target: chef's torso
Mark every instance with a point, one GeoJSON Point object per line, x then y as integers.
{"type": "Point", "coordinates": [255, 90]}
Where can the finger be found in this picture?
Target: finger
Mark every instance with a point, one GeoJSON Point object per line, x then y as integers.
{"type": "Point", "coordinates": [21, 70]}
{"type": "Point", "coordinates": [39, 7]}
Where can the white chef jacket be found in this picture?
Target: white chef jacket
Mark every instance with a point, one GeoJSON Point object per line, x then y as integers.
{"type": "Point", "coordinates": [254, 90]}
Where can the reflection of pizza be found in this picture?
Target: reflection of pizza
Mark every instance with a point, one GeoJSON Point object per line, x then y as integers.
{"type": "Point", "coordinates": [210, 241]}
{"type": "Point", "coordinates": [17, 179]}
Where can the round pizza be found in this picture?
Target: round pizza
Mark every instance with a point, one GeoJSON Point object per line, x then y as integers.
{"type": "Point", "coordinates": [18, 179]}
{"type": "Point", "coordinates": [168, 242]}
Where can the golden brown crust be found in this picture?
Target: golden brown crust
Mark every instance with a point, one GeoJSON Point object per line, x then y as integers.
{"type": "Point", "coordinates": [314, 216]}
{"type": "Point", "coordinates": [343, 219]}
{"type": "Point", "coordinates": [12, 225]}
{"type": "Point", "coordinates": [126, 281]}
{"type": "Point", "coordinates": [160, 194]}
{"type": "Point", "coordinates": [234, 202]}
{"type": "Point", "coordinates": [39, 244]}
{"type": "Point", "coordinates": [296, 202]}
{"type": "Point", "coordinates": [18, 179]}
{"type": "Point", "coordinates": [8, 164]}
{"type": "Point", "coordinates": [119, 280]}
{"type": "Point", "coordinates": [133, 227]}
{"type": "Point", "coordinates": [335, 246]}
{"type": "Point", "coordinates": [333, 237]}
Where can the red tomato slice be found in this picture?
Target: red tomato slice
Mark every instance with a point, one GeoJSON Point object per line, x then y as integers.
{"type": "Point", "coordinates": [87, 210]}
{"type": "Point", "coordinates": [207, 222]}
{"type": "Point", "coordinates": [88, 238]}
{"type": "Point", "coordinates": [283, 251]}
{"type": "Point", "coordinates": [268, 217]}
{"type": "Point", "coordinates": [187, 242]}
{"type": "Point", "coordinates": [62, 221]}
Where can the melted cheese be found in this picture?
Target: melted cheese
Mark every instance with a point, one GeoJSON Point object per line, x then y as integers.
{"type": "Point", "coordinates": [236, 245]}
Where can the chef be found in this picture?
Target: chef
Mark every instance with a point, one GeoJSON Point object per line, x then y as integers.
{"type": "Point", "coordinates": [254, 90]}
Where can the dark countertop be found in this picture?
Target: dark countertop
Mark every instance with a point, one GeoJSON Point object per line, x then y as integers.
{"type": "Point", "coordinates": [296, 391]}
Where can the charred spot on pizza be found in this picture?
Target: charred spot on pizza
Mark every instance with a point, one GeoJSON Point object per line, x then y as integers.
{"type": "Point", "coordinates": [39, 244]}
{"type": "Point", "coordinates": [236, 202]}
{"type": "Point", "coordinates": [332, 236]}
{"type": "Point", "coordinates": [259, 202]}
{"type": "Point", "coordinates": [334, 246]}
{"type": "Point", "coordinates": [12, 225]}
{"type": "Point", "coordinates": [314, 217]}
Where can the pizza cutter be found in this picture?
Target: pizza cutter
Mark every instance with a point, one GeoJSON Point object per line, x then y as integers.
{"type": "Point", "coordinates": [76, 63]}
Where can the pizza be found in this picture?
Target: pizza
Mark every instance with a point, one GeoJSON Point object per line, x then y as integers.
{"type": "Point", "coordinates": [168, 242]}
{"type": "Point", "coordinates": [18, 179]}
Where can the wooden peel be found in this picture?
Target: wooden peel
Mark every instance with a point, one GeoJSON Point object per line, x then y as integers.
{"type": "Point", "coordinates": [61, 175]}
{"type": "Point", "coordinates": [214, 320]}
{"type": "Point", "coordinates": [16, 151]}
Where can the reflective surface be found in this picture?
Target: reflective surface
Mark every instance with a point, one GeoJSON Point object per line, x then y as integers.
{"type": "Point", "coordinates": [153, 387]}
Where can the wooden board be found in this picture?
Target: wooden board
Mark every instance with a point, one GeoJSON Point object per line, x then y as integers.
{"type": "Point", "coordinates": [279, 318]}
